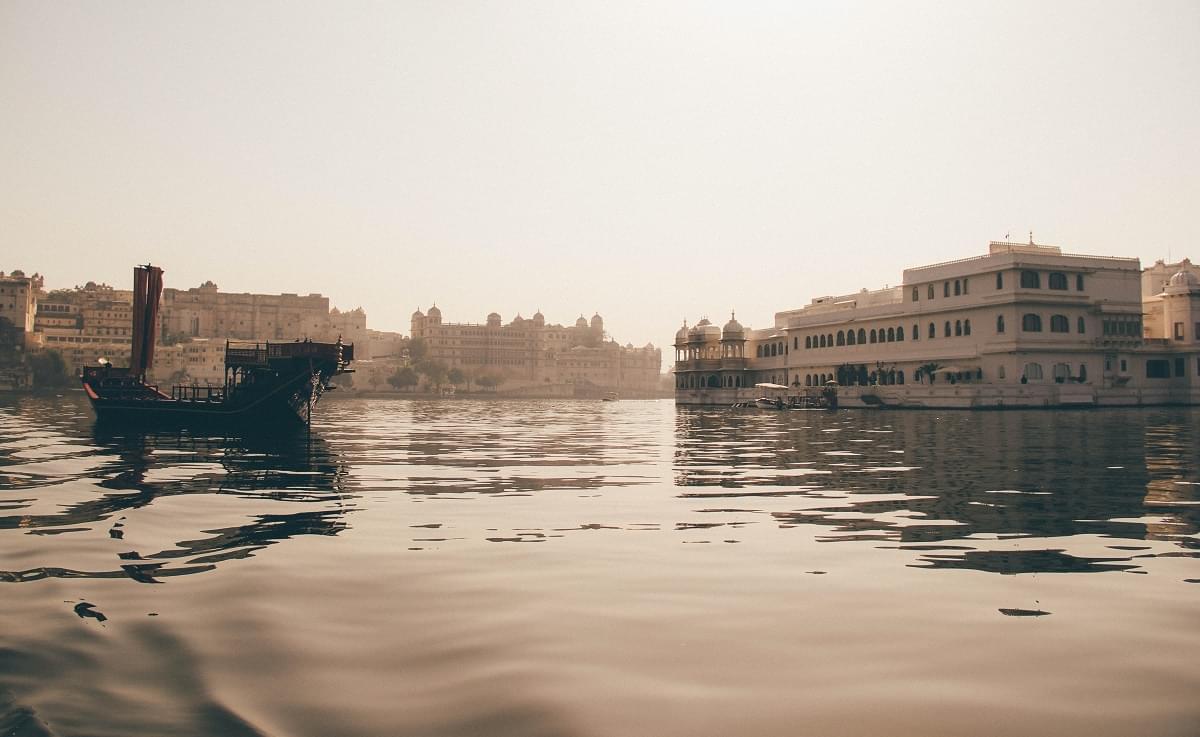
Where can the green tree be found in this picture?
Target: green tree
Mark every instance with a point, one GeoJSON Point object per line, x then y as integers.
{"type": "Point", "coordinates": [930, 370]}
{"type": "Point", "coordinates": [418, 349]}
{"type": "Point", "coordinates": [49, 370]}
{"type": "Point", "coordinates": [455, 376]}
{"type": "Point", "coordinates": [434, 372]}
{"type": "Point", "coordinates": [404, 378]}
{"type": "Point", "coordinates": [487, 381]}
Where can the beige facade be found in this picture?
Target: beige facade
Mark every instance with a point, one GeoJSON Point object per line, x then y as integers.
{"type": "Point", "coordinates": [94, 321]}
{"type": "Point", "coordinates": [529, 353]}
{"type": "Point", "coordinates": [18, 299]}
{"type": "Point", "coordinates": [1023, 324]}
{"type": "Point", "coordinates": [86, 324]}
{"type": "Point", "coordinates": [196, 361]}
{"type": "Point", "coordinates": [207, 312]}
{"type": "Point", "coordinates": [18, 307]}
{"type": "Point", "coordinates": [1169, 293]}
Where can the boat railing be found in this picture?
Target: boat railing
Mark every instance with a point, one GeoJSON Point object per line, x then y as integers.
{"type": "Point", "coordinates": [198, 393]}
{"type": "Point", "coordinates": [261, 354]}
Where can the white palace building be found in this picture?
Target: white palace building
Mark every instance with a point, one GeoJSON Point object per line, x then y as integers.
{"type": "Point", "coordinates": [1024, 325]}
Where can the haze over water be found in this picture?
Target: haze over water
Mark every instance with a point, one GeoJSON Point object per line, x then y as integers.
{"type": "Point", "coordinates": [575, 568]}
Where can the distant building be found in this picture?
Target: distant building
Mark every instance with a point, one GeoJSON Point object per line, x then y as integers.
{"type": "Point", "coordinates": [532, 353]}
{"type": "Point", "coordinates": [1023, 325]}
{"type": "Point", "coordinates": [199, 361]}
{"type": "Point", "coordinates": [207, 312]}
{"type": "Point", "coordinates": [87, 323]}
{"type": "Point", "coordinates": [18, 308]}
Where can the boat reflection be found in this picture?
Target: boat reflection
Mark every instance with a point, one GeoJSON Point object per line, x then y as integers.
{"type": "Point", "coordinates": [135, 470]}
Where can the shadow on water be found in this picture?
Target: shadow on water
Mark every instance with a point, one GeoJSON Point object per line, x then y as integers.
{"type": "Point", "coordinates": [947, 484]}
{"type": "Point", "coordinates": [127, 471]}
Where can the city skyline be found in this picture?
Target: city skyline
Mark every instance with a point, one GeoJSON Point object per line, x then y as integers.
{"type": "Point", "coordinates": [646, 162]}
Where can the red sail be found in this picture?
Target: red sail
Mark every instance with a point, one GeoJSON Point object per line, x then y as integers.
{"type": "Point", "coordinates": [147, 290]}
{"type": "Point", "coordinates": [139, 309]}
{"type": "Point", "coordinates": [153, 296]}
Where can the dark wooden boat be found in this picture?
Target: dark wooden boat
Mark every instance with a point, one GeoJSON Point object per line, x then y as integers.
{"type": "Point", "coordinates": [266, 384]}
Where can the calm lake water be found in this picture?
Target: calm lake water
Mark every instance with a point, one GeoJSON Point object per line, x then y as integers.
{"type": "Point", "coordinates": [587, 568]}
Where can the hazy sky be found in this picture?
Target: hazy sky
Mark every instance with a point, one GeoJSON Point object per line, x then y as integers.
{"type": "Point", "coordinates": [646, 160]}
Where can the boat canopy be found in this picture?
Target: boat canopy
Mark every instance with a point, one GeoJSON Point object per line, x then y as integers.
{"type": "Point", "coordinates": [770, 386]}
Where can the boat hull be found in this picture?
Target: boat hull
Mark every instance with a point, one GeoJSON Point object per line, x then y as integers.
{"type": "Point", "coordinates": [279, 400]}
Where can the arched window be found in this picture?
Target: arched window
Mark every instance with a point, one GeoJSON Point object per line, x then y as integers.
{"type": "Point", "coordinates": [1057, 280]}
{"type": "Point", "coordinates": [841, 337]}
{"type": "Point", "coordinates": [999, 323]}
{"type": "Point", "coordinates": [795, 342]}
{"type": "Point", "coordinates": [771, 350]}
{"type": "Point", "coordinates": [999, 280]}
{"type": "Point", "coordinates": [1030, 280]}
{"type": "Point", "coordinates": [808, 379]}
{"type": "Point", "coordinates": [1031, 323]}
{"type": "Point", "coordinates": [945, 289]}
{"type": "Point", "coordinates": [930, 295]}
{"type": "Point", "coordinates": [916, 332]}
{"type": "Point", "coordinates": [900, 333]}
{"type": "Point", "coordinates": [1082, 372]}
{"type": "Point", "coordinates": [1000, 371]}
{"type": "Point", "coordinates": [916, 294]}
{"type": "Point", "coordinates": [1081, 325]}
{"type": "Point", "coordinates": [1079, 282]}
{"type": "Point", "coordinates": [872, 335]}
{"type": "Point", "coordinates": [829, 338]}
{"type": "Point", "coordinates": [957, 287]}
{"type": "Point", "coordinates": [758, 351]}
{"type": "Point", "coordinates": [932, 330]}
{"type": "Point", "coordinates": [714, 382]}
{"type": "Point", "coordinates": [964, 285]}
{"type": "Point", "coordinates": [1062, 372]}
{"type": "Point", "coordinates": [946, 331]}
{"type": "Point", "coordinates": [822, 340]}
{"type": "Point", "coordinates": [958, 327]}
{"type": "Point", "coordinates": [850, 337]}
{"type": "Point", "coordinates": [891, 335]}
{"type": "Point", "coordinates": [1059, 324]}
{"type": "Point", "coordinates": [808, 341]}
{"type": "Point", "coordinates": [862, 336]}
{"type": "Point", "coordinates": [966, 327]}
{"type": "Point", "coordinates": [1033, 372]}
{"type": "Point", "coordinates": [822, 379]}
{"type": "Point", "coordinates": [900, 376]}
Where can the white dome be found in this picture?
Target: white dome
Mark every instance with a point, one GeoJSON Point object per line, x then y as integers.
{"type": "Point", "coordinates": [705, 331]}
{"type": "Point", "coordinates": [733, 328]}
{"type": "Point", "coordinates": [1184, 279]}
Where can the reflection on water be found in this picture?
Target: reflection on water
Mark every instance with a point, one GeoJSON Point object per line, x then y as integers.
{"type": "Point", "coordinates": [131, 471]}
{"type": "Point", "coordinates": [956, 485]}
{"type": "Point", "coordinates": [587, 568]}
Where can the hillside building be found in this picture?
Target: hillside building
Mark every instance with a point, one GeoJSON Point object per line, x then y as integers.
{"type": "Point", "coordinates": [532, 353]}
{"type": "Point", "coordinates": [1022, 325]}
